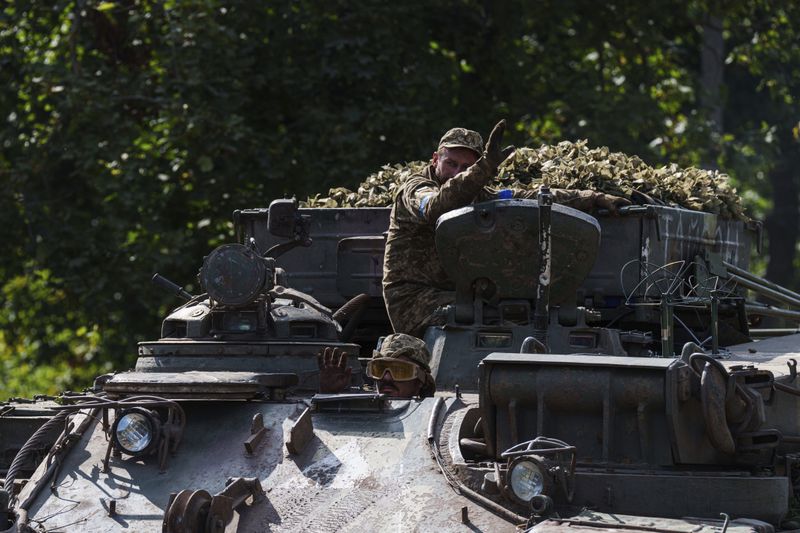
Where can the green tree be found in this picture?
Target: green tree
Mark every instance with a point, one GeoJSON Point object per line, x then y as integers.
{"type": "Point", "coordinates": [762, 113]}
{"type": "Point", "coordinates": [133, 128]}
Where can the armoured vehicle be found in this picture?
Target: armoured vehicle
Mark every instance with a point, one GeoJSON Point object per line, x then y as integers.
{"type": "Point", "coordinates": [592, 372]}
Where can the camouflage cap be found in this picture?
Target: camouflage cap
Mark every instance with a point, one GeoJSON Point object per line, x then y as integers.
{"type": "Point", "coordinates": [400, 344]}
{"type": "Point", "coordinates": [462, 138]}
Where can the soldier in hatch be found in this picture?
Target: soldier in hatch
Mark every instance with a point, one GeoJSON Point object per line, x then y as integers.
{"type": "Point", "coordinates": [400, 368]}
{"type": "Point", "coordinates": [415, 286]}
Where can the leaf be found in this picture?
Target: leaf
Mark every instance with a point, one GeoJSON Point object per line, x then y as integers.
{"type": "Point", "coordinates": [205, 163]}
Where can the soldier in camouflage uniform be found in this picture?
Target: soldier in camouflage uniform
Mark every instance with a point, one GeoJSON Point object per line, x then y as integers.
{"type": "Point", "coordinates": [400, 368]}
{"type": "Point", "coordinates": [415, 286]}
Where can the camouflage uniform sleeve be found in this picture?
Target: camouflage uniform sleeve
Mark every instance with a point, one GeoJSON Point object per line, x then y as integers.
{"type": "Point", "coordinates": [428, 202]}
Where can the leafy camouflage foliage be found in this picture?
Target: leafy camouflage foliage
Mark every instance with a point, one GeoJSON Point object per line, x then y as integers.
{"type": "Point", "coordinates": [569, 165]}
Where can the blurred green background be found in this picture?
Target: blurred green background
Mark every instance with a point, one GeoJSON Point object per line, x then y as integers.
{"type": "Point", "coordinates": [131, 130]}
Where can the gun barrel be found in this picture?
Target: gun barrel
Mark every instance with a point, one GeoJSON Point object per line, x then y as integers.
{"type": "Point", "coordinates": [168, 285]}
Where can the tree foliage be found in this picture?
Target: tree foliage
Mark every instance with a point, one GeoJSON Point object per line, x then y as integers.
{"type": "Point", "coordinates": [133, 128]}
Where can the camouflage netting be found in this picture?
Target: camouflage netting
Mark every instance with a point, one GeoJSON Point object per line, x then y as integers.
{"type": "Point", "coordinates": [569, 165]}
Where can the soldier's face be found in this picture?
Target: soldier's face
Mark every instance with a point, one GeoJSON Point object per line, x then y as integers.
{"type": "Point", "coordinates": [398, 389]}
{"type": "Point", "coordinates": [450, 161]}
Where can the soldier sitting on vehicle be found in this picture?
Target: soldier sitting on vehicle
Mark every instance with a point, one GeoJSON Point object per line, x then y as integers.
{"type": "Point", "coordinates": [415, 286]}
{"type": "Point", "coordinates": [400, 368]}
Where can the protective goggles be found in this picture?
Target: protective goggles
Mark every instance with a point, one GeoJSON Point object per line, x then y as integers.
{"type": "Point", "coordinates": [400, 370]}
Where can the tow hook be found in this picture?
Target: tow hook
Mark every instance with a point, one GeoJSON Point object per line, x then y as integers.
{"type": "Point", "coordinates": [198, 511]}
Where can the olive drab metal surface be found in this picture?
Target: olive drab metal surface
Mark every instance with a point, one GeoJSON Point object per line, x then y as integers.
{"type": "Point", "coordinates": [496, 241]}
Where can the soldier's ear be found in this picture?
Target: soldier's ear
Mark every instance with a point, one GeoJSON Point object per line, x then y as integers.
{"type": "Point", "coordinates": [435, 158]}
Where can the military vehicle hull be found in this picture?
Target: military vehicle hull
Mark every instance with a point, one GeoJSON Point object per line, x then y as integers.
{"type": "Point", "coordinates": [376, 467]}
{"type": "Point", "coordinates": [359, 471]}
{"type": "Point", "coordinates": [585, 422]}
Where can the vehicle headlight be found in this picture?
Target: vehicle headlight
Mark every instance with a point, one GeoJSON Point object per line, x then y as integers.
{"type": "Point", "coordinates": [136, 431]}
{"type": "Point", "coordinates": [526, 479]}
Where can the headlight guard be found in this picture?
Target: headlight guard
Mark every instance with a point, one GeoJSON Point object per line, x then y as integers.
{"type": "Point", "coordinates": [540, 471]}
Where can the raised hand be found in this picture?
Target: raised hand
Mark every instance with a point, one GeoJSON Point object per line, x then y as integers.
{"type": "Point", "coordinates": [334, 374]}
{"type": "Point", "coordinates": [493, 155]}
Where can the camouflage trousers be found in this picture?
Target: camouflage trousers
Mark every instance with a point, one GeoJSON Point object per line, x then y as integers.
{"type": "Point", "coordinates": [412, 307]}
